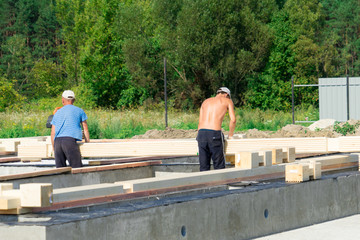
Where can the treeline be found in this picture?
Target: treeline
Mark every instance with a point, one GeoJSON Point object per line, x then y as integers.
{"type": "Point", "coordinates": [112, 51]}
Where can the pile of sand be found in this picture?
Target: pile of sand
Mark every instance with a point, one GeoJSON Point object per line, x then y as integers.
{"type": "Point", "coordinates": [322, 128]}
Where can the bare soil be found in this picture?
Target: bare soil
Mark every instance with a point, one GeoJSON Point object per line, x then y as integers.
{"type": "Point", "coordinates": [287, 131]}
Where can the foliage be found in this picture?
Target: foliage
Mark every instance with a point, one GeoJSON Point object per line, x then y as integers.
{"type": "Point", "coordinates": [48, 78]}
{"type": "Point", "coordinates": [113, 51]}
{"type": "Point", "coordinates": [345, 128]}
{"type": "Point", "coordinates": [128, 123]}
{"type": "Point", "coordinates": [9, 97]}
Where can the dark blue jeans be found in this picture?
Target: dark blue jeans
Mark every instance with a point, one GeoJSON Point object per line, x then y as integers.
{"type": "Point", "coordinates": [211, 146]}
{"type": "Point", "coordinates": [66, 148]}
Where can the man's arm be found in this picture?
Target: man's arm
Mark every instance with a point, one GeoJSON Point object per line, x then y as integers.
{"type": "Point", "coordinates": [86, 131]}
{"type": "Point", "coordinates": [232, 123]}
{"type": "Point", "coordinates": [52, 135]}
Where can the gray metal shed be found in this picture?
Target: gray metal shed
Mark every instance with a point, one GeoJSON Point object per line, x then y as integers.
{"type": "Point", "coordinates": [339, 98]}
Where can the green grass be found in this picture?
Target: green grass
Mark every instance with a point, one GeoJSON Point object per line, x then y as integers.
{"type": "Point", "coordinates": [127, 123]}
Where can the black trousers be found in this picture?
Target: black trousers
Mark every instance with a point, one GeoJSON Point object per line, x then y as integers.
{"type": "Point", "coordinates": [211, 146]}
{"type": "Point", "coordinates": [66, 148]}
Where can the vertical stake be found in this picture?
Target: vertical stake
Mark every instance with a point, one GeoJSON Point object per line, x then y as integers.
{"type": "Point", "coordinates": [165, 93]}
{"type": "Point", "coordinates": [292, 99]}
{"type": "Point", "coordinates": [347, 98]}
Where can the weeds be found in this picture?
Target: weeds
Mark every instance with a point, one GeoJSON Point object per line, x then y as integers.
{"type": "Point", "coordinates": [109, 124]}
{"type": "Point", "coordinates": [345, 128]}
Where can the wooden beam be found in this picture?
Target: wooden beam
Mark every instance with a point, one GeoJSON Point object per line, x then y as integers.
{"type": "Point", "coordinates": [9, 159]}
{"type": "Point", "coordinates": [114, 167]}
{"type": "Point", "coordinates": [35, 174]}
{"type": "Point", "coordinates": [305, 169]}
{"type": "Point", "coordinates": [127, 160]}
{"type": "Point", "coordinates": [88, 191]}
{"type": "Point", "coordinates": [247, 160]}
{"type": "Point", "coordinates": [174, 147]}
{"type": "Point", "coordinates": [200, 177]}
{"type": "Point", "coordinates": [288, 154]}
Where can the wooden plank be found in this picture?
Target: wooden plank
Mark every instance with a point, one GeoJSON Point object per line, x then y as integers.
{"type": "Point", "coordinates": [127, 160]}
{"type": "Point", "coordinates": [113, 167]}
{"type": "Point", "coordinates": [174, 147]}
{"type": "Point", "coordinates": [349, 144]}
{"type": "Point", "coordinates": [35, 174]}
{"type": "Point", "coordinates": [9, 159]}
{"type": "Point", "coordinates": [302, 145]}
{"type": "Point", "coordinates": [38, 150]}
{"type": "Point", "coordinates": [199, 177]}
{"type": "Point", "coordinates": [17, 211]}
{"type": "Point", "coordinates": [88, 191]}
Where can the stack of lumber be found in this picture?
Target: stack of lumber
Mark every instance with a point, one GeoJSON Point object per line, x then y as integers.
{"type": "Point", "coordinates": [312, 168]}
{"type": "Point", "coordinates": [16, 201]}
{"type": "Point", "coordinates": [11, 144]}
{"type": "Point", "coordinates": [41, 147]}
{"type": "Point", "coordinates": [173, 147]}
{"type": "Point", "coordinates": [265, 157]}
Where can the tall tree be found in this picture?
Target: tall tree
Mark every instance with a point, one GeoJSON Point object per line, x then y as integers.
{"type": "Point", "coordinates": [295, 52]}
{"type": "Point", "coordinates": [218, 43]}
{"type": "Point", "coordinates": [341, 31]}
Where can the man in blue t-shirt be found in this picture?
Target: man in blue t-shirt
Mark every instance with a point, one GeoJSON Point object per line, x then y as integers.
{"type": "Point", "coordinates": [66, 131]}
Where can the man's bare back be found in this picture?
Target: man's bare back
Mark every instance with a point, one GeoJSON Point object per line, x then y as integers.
{"type": "Point", "coordinates": [213, 110]}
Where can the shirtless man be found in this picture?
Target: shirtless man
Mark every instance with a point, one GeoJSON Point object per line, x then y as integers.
{"type": "Point", "coordinates": [210, 138]}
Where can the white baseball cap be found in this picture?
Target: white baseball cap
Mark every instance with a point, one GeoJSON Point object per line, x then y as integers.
{"type": "Point", "coordinates": [224, 89]}
{"type": "Point", "coordinates": [68, 94]}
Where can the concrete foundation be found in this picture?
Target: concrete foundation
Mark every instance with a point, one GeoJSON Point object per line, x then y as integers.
{"type": "Point", "coordinates": [224, 213]}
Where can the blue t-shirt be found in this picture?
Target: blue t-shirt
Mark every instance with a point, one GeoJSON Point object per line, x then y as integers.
{"type": "Point", "coordinates": [67, 122]}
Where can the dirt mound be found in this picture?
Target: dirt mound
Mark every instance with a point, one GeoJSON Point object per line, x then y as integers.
{"type": "Point", "coordinates": [349, 128]}
{"type": "Point", "coordinates": [168, 133]}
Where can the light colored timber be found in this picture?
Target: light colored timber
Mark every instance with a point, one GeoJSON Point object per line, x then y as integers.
{"type": "Point", "coordinates": [349, 144]}
{"type": "Point", "coordinates": [188, 147]}
{"type": "Point", "coordinates": [302, 145]}
{"type": "Point", "coordinates": [37, 150]}
{"type": "Point", "coordinates": [267, 157]}
{"type": "Point", "coordinates": [5, 186]}
{"type": "Point", "coordinates": [297, 172]}
{"type": "Point", "coordinates": [29, 195]}
{"type": "Point", "coordinates": [174, 147]}
{"type": "Point", "coordinates": [248, 160]}
{"type": "Point", "coordinates": [289, 154]}
{"type": "Point", "coordinates": [201, 177]}
{"type": "Point", "coordinates": [337, 161]}
{"type": "Point", "coordinates": [9, 145]}
{"type": "Point", "coordinates": [35, 174]}
{"type": "Point", "coordinates": [7, 202]}
{"type": "Point", "coordinates": [88, 191]}
{"type": "Point", "coordinates": [36, 194]}
{"type": "Point", "coordinates": [305, 169]}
